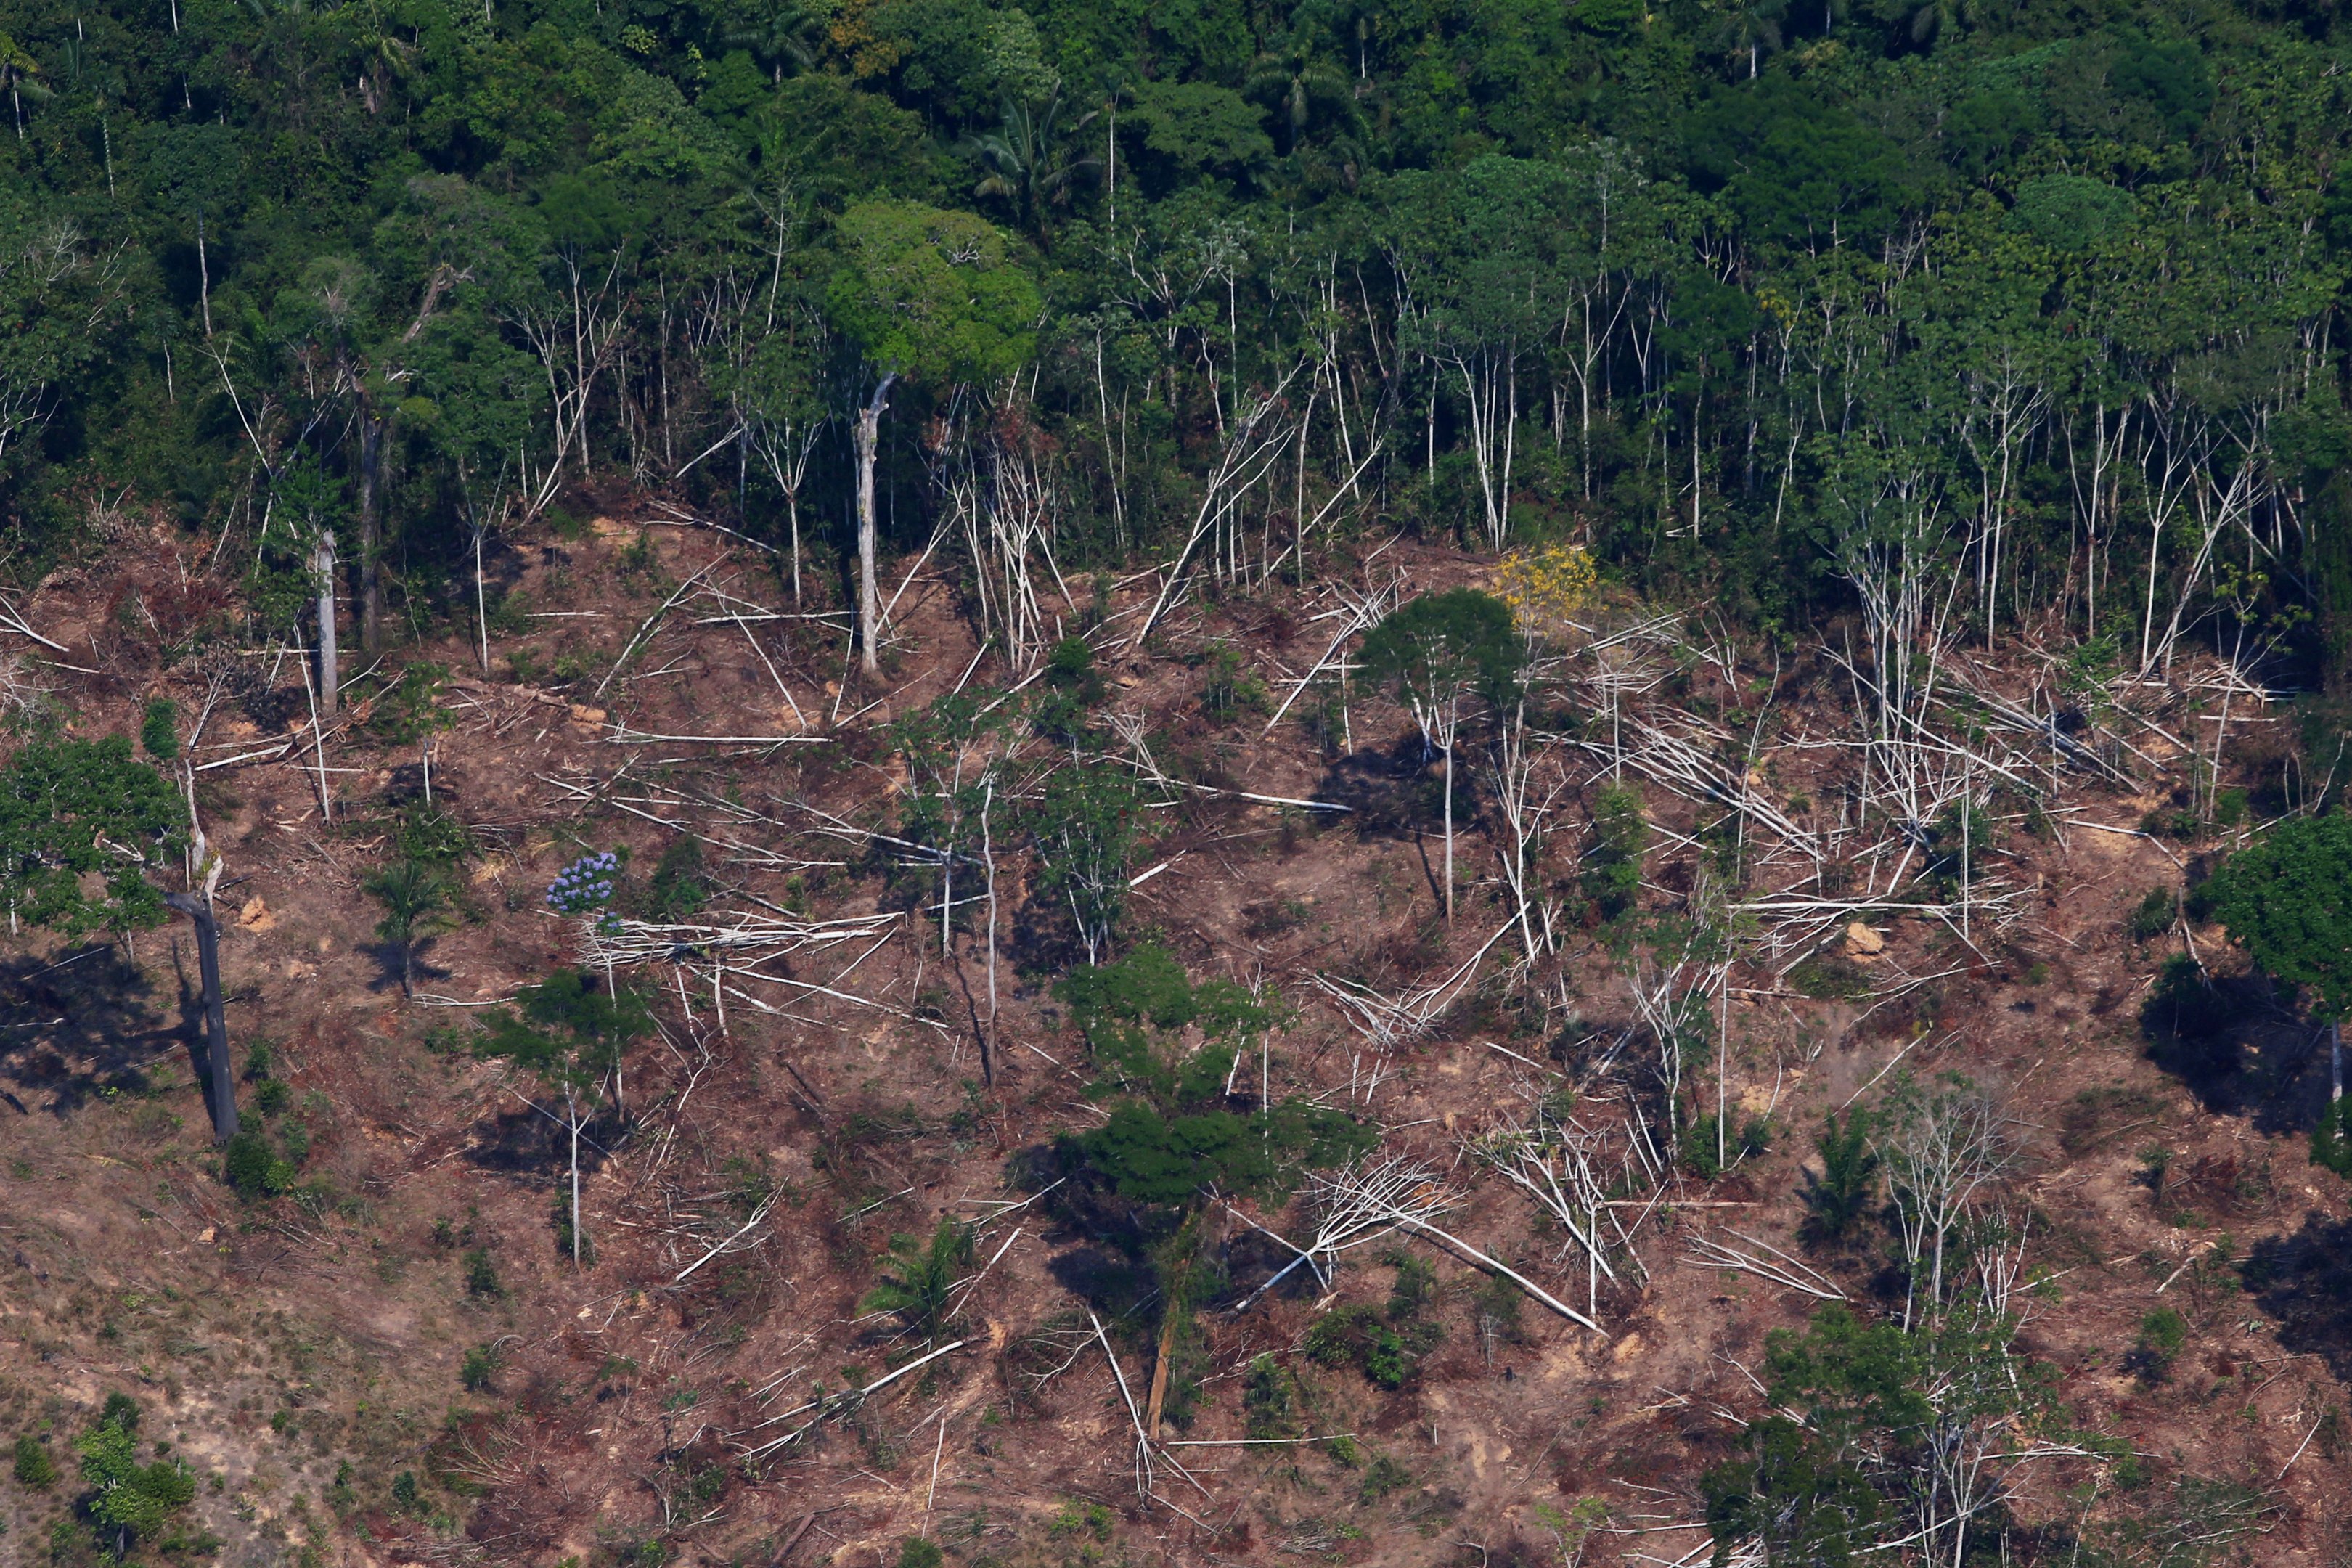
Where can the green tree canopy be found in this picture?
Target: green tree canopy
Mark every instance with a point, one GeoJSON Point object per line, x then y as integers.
{"type": "Point", "coordinates": [2288, 898]}
{"type": "Point", "coordinates": [1438, 653]}
{"type": "Point", "coordinates": [83, 828]}
{"type": "Point", "coordinates": [129, 1502]}
{"type": "Point", "coordinates": [572, 1037]}
{"type": "Point", "coordinates": [1443, 648]}
{"type": "Point", "coordinates": [1172, 1134]}
{"type": "Point", "coordinates": [568, 1033]}
{"type": "Point", "coordinates": [931, 295]}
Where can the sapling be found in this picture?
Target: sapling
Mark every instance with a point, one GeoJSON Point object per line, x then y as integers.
{"type": "Point", "coordinates": [920, 1277]}
{"type": "Point", "coordinates": [573, 1039]}
{"type": "Point", "coordinates": [411, 893]}
{"type": "Point", "coordinates": [1444, 653]}
{"type": "Point", "coordinates": [1842, 1194]}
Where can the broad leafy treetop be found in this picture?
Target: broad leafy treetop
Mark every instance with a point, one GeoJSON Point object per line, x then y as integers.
{"type": "Point", "coordinates": [82, 824]}
{"type": "Point", "coordinates": [932, 295]}
{"type": "Point", "coordinates": [2287, 899]}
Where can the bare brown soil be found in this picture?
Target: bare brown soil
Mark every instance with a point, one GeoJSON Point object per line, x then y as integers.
{"type": "Point", "coordinates": [306, 1352]}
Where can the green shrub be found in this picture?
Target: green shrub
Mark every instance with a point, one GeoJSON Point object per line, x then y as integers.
{"type": "Point", "coordinates": [254, 1170]}
{"type": "Point", "coordinates": [1227, 689]}
{"type": "Point", "coordinates": [404, 712]}
{"type": "Point", "coordinates": [1071, 687]}
{"type": "Point", "coordinates": [432, 837]}
{"type": "Point", "coordinates": [1611, 876]}
{"type": "Point", "coordinates": [159, 732]}
{"type": "Point", "coordinates": [482, 1278]}
{"type": "Point", "coordinates": [1842, 1194]}
{"type": "Point", "coordinates": [2152, 917]}
{"type": "Point", "coordinates": [34, 1467]}
{"type": "Point", "coordinates": [920, 1277]}
{"type": "Point", "coordinates": [475, 1371]}
{"type": "Point", "coordinates": [1957, 842]}
{"type": "Point", "coordinates": [918, 1552]}
{"type": "Point", "coordinates": [1381, 1477]}
{"type": "Point", "coordinates": [678, 891]}
{"type": "Point", "coordinates": [129, 1501]}
{"type": "Point", "coordinates": [1829, 975]}
{"type": "Point", "coordinates": [1268, 1404]}
{"type": "Point", "coordinates": [1415, 1283]}
{"type": "Point", "coordinates": [2163, 1334]}
{"type": "Point", "coordinates": [1071, 668]}
{"type": "Point", "coordinates": [1081, 1519]}
{"type": "Point", "coordinates": [1707, 1155]}
{"type": "Point", "coordinates": [1355, 1336]}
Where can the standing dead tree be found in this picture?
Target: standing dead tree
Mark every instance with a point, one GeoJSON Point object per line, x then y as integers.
{"type": "Point", "coordinates": [1254, 444]}
{"type": "Point", "coordinates": [997, 472]}
{"type": "Point", "coordinates": [1671, 1001]}
{"type": "Point", "coordinates": [1562, 1165]}
{"type": "Point", "coordinates": [1526, 782]}
{"type": "Point", "coordinates": [1945, 1146]}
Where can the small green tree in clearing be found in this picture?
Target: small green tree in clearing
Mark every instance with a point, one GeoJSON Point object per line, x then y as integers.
{"type": "Point", "coordinates": [2288, 898]}
{"type": "Point", "coordinates": [572, 1037]}
{"type": "Point", "coordinates": [1443, 654]}
{"type": "Point", "coordinates": [412, 892]}
{"type": "Point", "coordinates": [129, 1502]}
{"type": "Point", "coordinates": [919, 1277]}
{"type": "Point", "coordinates": [86, 829]}
{"type": "Point", "coordinates": [1084, 826]}
{"type": "Point", "coordinates": [1172, 1138]}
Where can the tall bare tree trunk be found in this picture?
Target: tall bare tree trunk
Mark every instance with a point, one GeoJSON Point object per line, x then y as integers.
{"type": "Point", "coordinates": [222, 1086]}
{"type": "Point", "coordinates": [870, 597]}
{"type": "Point", "coordinates": [329, 677]}
{"type": "Point", "coordinates": [571, 1107]}
{"type": "Point", "coordinates": [481, 604]}
{"type": "Point", "coordinates": [1453, 731]}
{"type": "Point", "coordinates": [371, 606]}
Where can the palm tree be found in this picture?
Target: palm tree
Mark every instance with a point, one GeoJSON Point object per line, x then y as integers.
{"type": "Point", "coordinates": [1302, 90]}
{"type": "Point", "coordinates": [411, 893]}
{"type": "Point", "coordinates": [1753, 28]}
{"type": "Point", "coordinates": [921, 1277]}
{"type": "Point", "coordinates": [18, 68]}
{"type": "Point", "coordinates": [1026, 162]}
{"type": "Point", "coordinates": [779, 32]}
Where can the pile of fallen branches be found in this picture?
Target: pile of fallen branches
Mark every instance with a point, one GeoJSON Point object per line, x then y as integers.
{"type": "Point", "coordinates": [1384, 1022]}
{"type": "Point", "coordinates": [742, 937]}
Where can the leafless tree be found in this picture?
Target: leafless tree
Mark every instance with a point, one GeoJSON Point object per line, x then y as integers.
{"type": "Point", "coordinates": [1945, 1146]}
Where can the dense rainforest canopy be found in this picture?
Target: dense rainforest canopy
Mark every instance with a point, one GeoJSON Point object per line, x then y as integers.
{"type": "Point", "coordinates": [1986, 314]}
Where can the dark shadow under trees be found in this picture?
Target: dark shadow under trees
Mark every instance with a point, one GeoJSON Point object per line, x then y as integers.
{"type": "Point", "coordinates": [87, 1021]}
